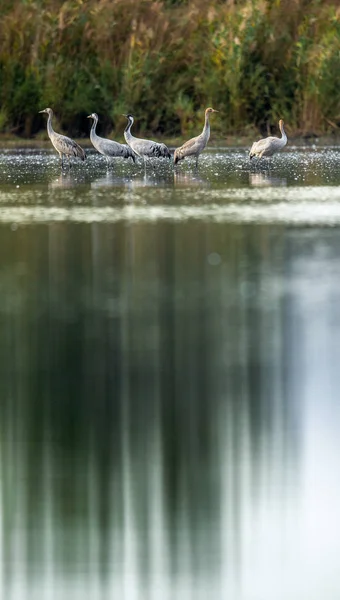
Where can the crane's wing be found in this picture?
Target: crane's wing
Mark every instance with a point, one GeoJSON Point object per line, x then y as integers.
{"type": "Point", "coordinates": [129, 153]}
{"type": "Point", "coordinates": [190, 147]}
{"type": "Point", "coordinates": [124, 151]}
{"type": "Point", "coordinates": [67, 146]}
{"type": "Point", "coordinates": [259, 146]}
{"type": "Point", "coordinates": [112, 148]}
{"type": "Point", "coordinates": [151, 149]}
{"type": "Point", "coordinates": [267, 146]}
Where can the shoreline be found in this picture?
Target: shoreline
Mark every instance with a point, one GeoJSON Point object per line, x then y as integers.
{"type": "Point", "coordinates": [231, 141]}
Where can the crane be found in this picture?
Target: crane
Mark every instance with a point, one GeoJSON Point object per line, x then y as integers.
{"type": "Point", "coordinates": [63, 144]}
{"type": "Point", "coordinates": [269, 145]}
{"type": "Point", "coordinates": [196, 145]}
{"type": "Point", "coordinates": [146, 149]}
{"type": "Point", "coordinates": [109, 148]}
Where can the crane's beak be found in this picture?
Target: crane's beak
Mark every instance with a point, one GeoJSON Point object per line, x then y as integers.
{"type": "Point", "coordinates": [124, 116]}
{"type": "Point", "coordinates": [215, 110]}
{"type": "Point", "coordinates": [89, 117]}
{"type": "Point", "coordinates": [42, 111]}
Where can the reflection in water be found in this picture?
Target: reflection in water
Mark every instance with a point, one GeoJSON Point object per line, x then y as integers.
{"type": "Point", "coordinates": [150, 178]}
{"type": "Point", "coordinates": [188, 178]}
{"type": "Point", "coordinates": [110, 179]}
{"type": "Point", "coordinates": [226, 167]}
{"type": "Point", "coordinates": [266, 179]}
{"type": "Point", "coordinates": [132, 181]}
{"type": "Point", "coordinates": [67, 179]}
{"type": "Point", "coordinates": [161, 431]}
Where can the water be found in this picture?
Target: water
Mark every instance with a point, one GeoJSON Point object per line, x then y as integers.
{"type": "Point", "coordinates": [169, 416]}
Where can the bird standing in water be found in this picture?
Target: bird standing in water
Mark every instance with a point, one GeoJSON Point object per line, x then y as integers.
{"type": "Point", "coordinates": [196, 145]}
{"type": "Point", "coordinates": [146, 149]}
{"type": "Point", "coordinates": [63, 144]}
{"type": "Point", "coordinates": [269, 145]}
{"type": "Point", "coordinates": [109, 148]}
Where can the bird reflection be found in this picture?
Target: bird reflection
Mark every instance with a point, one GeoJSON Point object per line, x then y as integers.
{"type": "Point", "coordinates": [67, 179]}
{"type": "Point", "coordinates": [265, 179]}
{"type": "Point", "coordinates": [110, 179]}
{"type": "Point", "coordinates": [150, 180]}
{"type": "Point", "coordinates": [189, 179]}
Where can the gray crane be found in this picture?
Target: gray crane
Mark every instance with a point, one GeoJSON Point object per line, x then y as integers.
{"type": "Point", "coordinates": [63, 144]}
{"type": "Point", "coordinates": [196, 145]}
{"type": "Point", "coordinates": [269, 145]}
{"type": "Point", "coordinates": [146, 149]}
{"type": "Point", "coordinates": [109, 148]}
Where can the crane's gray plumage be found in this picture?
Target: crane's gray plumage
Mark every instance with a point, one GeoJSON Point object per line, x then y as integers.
{"type": "Point", "coordinates": [196, 145]}
{"type": "Point", "coordinates": [144, 148]}
{"type": "Point", "coordinates": [269, 145]}
{"type": "Point", "coordinates": [63, 144]}
{"type": "Point", "coordinates": [109, 148]}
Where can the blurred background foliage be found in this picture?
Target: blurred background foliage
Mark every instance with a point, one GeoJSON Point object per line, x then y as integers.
{"type": "Point", "coordinates": [165, 61]}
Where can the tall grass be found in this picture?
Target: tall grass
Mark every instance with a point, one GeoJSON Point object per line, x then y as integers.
{"type": "Point", "coordinates": [166, 60]}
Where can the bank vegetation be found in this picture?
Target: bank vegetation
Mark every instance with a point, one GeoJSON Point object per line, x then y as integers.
{"type": "Point", "coordinates": [166, 61]}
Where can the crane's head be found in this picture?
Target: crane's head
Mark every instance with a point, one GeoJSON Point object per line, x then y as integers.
{"type": "Point", "coordinates": [129, 117]}
{"type": "Point", "coordinates": [281, 123]}
{"type": "Point", "coordinates": [49, 111]}
{"type": "Point", "coordinates": [93, 116]}
{"type": "Point", "coordinates": [210, 110]}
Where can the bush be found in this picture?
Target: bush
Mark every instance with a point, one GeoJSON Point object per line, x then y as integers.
{"type": "Point", "coordinates": [167, 60]}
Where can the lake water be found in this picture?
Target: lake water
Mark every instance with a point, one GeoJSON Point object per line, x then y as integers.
{"type": "Point", "coordinates": [170, 415]}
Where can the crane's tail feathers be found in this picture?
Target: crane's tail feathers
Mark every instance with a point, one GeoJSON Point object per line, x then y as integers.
{"type": "Point", "coordinates": [131, 154]}
{"type": "Point", "coordinates": [164, 151]}
{"type": "Point", "coordinates": [79, 151]}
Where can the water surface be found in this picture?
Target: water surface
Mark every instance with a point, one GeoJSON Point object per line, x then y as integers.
{"type": "Point", "coordinates": [169, 416]}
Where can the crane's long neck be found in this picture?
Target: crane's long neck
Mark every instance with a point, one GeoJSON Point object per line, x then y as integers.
{"type": "Point", "coordinates": [50, 130]}
{"type": "Point", "coordinates": [206, 128]}
{"type": "Point", "coordinates": [283, 134]}
{"type": "Point", "coordinates": [93, 133]}
{"type": "Point", "coordinates": [127, 131]}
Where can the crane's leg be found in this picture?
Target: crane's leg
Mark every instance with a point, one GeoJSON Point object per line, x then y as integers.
{"type": "Point", "coordinates": [264, 161]}
{"type": "Point", "coordinates": [258, 163]}
{"type": "Point", "coordinates": [197, 161]}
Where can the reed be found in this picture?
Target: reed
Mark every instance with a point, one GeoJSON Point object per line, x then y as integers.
{"type": "Point", "coordinates": [166, 61]}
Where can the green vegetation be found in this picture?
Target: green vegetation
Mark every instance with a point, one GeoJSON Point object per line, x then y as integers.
{"type": "Point", "coordinates": [166, 61]}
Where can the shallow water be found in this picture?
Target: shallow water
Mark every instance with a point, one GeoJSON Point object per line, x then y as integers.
{"type": "Point", "coordinates": [169, 416]}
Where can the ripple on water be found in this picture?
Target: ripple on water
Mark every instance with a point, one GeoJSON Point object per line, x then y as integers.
{"type": "Point", "coordinates": [300, 187]}
{"type": "Point", "coordinates": [240, 206]}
